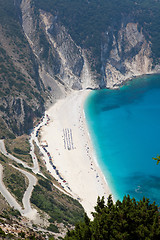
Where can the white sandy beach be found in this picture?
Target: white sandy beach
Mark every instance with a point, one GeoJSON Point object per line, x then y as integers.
{"type": "Point", "coordinates": [71, 150]}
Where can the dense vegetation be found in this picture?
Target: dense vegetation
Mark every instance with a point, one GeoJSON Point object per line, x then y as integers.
{"type": "Point", "coordinates": [129, 219]}
{"type": "Point", "coordinates": [15, 49]}
{"type": "Point", "coordinates": [59, 207]}
{"type": "Point", "coordinates": [88, 20]}
{"type": "Point", "coordinates": [15, 181]}
{"type": "Point", "coordinates": [46, 197]}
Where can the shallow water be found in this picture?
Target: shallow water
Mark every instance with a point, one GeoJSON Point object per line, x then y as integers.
{"type": "Point", "coordinates": [124, 125]}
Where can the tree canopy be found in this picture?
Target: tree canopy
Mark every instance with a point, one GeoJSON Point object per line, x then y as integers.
{"type": "Point", "coordinates": [127, 219]}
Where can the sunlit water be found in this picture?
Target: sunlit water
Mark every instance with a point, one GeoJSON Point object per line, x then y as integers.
{"type": "Point", "coordinates": [124, 125]}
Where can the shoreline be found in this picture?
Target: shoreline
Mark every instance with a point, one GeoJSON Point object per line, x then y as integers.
{"type": "Point", "coordinates": [72, 151]}
{"type": "Point", "coordinates": [123, 83]}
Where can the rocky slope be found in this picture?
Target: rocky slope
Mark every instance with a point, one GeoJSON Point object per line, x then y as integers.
{"type": "Point", "coordinates": [62, 64]}
{"type": "Point", "coordinates": [124, 55]}
{"type": "Point", "coordinates": [128, 55]}
{"type": "Point", "coordinates": [22, 93]}
{"type": "Point", "coordinates": [42, 61]}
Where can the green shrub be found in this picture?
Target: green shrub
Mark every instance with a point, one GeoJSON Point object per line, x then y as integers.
{"type": "Point", "coordinates": [53, 228]}
{"type": "Point", "coordinates": [20, 151]}
{"type": "Point", "coordinates": [2, 233]}
{"type": "Point", "coordinates": [129, 219]}
{"type": "Point", "coordinates": [46, 184]}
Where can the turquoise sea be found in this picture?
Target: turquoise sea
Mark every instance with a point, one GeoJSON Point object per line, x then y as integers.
{"type": "Point", "coordinates": [124, 125]}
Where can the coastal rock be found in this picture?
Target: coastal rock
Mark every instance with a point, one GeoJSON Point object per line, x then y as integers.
{"type": "Point", "coordinates": [125, 55]}
{"type": "Point", "coordinates": [63, 66]}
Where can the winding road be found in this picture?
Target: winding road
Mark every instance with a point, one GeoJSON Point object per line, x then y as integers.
{"type": "Point", "coordinates": [10, 199]}
{"type": "Point", "coordinates": [8, 155]}
{"type": "Point", "coordinates": [35, 167]}
{"type": "Point", "coordinates": [27, 210]}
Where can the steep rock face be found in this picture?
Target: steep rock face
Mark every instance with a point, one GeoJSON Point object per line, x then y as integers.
{"type": "Point", "coordinates": [41, 63]}
{"type": "Point", "coordinates": [74, 67]}
{"type": "Point", "coordinates": [19, 114]}
{"type": "Point", "coordinates": [63, 66]}
{"type": "Point", "coordinates": [125, 54]}
{"type": "Point", "coordinates": [69, 55]}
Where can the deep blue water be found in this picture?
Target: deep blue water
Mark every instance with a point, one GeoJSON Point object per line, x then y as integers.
{"type": "Point", "coordinates": [124, 125]}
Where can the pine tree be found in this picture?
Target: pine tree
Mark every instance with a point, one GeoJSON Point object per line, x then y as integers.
{"type": "Point", "coordinates": [129, 219]}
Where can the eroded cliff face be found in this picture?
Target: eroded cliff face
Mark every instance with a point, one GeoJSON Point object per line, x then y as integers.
{"type": "Point", "coordinates": [51, 64]}
{"type": "Point", "coordinates": [125, 54]}
{"type": "Point", "coordinates": [63, 66]}
{"type": "Point", "coordinates": [19, 114]}
{"type": "Point", "coordinates": [74, 69]}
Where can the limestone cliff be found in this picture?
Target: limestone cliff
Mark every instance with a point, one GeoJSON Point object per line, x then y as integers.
{"type": "Point", "coordinates": [63, 66]}
{"type": "Point", "coordinates": [40, 61]}
{"type": "Point", "coordinates": [125, 54]}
